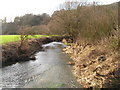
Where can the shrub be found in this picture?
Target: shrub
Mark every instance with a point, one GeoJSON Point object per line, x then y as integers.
{"type": "Point", "coordinates": [92, 22]}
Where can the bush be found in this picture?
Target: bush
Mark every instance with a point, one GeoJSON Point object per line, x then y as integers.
{"type": "Point", "coordinates": [93, 22]}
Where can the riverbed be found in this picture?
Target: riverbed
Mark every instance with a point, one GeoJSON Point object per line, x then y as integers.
{"type": "Point", "coordinates": [49, 70]}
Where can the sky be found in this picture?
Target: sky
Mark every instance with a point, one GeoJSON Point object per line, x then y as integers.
{"type": "Point", "coordinates": [13, 8]}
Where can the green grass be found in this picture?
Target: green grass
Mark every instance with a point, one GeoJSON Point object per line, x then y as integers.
{"type": "Point", "coordinates": [12, 38]}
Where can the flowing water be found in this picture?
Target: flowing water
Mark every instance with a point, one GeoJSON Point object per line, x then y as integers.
{"type": "Point", "coordinates": [49, 70]}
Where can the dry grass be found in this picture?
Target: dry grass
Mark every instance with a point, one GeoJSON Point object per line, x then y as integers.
{"type": "Point", "coordinates": [95, 65]}
{"type": "Point", "coordinates": [88, 23]}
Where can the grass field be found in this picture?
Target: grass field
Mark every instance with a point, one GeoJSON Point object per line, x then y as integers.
{"type": "Point", "coordinates": [12, 38]}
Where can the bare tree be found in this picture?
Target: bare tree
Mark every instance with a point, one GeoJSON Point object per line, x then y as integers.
{"type": "Point", "coordinates": [23, 46]}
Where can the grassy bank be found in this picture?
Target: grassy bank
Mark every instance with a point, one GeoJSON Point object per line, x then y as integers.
{"type": "Point", "coordinates": [12, 38]}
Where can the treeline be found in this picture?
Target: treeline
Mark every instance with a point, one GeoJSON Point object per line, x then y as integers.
{"type": "Point", "coordinates": [88, 22]}
{"type": "Point", "coordinates": [27, 20]}
{"type": "Point", "coordinates": [81, 21]}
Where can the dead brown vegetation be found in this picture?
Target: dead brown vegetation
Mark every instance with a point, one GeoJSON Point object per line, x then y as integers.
{"type": "Point", "coordinates": [91, 23]}
{"type": "Point", "coordinates": [95, 65]}
{"type": "Point", "coordinates": [96, 48]}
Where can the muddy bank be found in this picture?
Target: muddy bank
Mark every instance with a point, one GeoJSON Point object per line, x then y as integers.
{"type": "Point", "coordinates": [95, 65]}
{"type": "Point", "coordinates": [11, 53]}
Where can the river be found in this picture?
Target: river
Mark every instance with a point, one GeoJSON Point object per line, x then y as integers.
{"type": "Point", "coordinates": [49, 70]}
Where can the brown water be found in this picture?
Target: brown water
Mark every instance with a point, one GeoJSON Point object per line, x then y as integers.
{"type": "Point", "coordinates": [48, 71]}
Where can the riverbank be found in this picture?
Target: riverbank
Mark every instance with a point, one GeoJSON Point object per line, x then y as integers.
{"type": "Point", "coordinates": [49, 70]}
{"type": "Point", "coordinates": [95, 65]}
{"type": "Point", "coordinates": [11, 53]}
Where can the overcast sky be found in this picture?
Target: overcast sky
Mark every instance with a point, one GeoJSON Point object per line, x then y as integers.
{"type": "Point", "coordinates": [12, 8]}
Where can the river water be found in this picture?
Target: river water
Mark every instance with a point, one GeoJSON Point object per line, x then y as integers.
{"type": "Point", "coordinates": [49, 70]}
